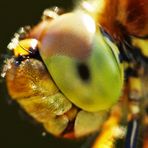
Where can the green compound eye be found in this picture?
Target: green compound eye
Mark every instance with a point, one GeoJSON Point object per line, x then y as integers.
{"type": "Point", "coordinates": [93, 80]}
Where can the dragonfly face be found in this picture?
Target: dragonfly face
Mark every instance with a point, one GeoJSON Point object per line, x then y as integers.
{"type": "Point", "coordinates": [67, 73]}
{"type": "Point", "coordinates": [82, 66]}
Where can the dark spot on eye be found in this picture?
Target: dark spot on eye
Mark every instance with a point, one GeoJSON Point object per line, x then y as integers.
{"type": "Point", "coordinates": [83, 71]}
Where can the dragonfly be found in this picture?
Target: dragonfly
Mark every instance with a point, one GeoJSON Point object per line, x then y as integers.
{"type": "Point", "coordinates": [85, 71]}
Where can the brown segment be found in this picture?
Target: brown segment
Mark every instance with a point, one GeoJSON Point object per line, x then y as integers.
{"type": "Point", "coordinates": [37, 107]}
{"type": "Point", "coordinates": [137, 17]}
{"type": "Point", "coordinates": [28, 79]}
{"type": "Point", "coordinates": [125, 16]}
{"type": "Point", "coordinates": [33, 88]}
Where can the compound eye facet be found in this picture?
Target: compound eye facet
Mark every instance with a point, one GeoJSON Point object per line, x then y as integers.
{"type": "Point", "coordinates": [91, 82]}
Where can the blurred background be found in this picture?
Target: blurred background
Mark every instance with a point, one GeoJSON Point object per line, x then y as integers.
{"type": "Point", "coordinates": [16, 128]}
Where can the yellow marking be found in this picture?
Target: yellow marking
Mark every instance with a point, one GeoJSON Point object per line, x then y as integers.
{"type": "Point", "coordinates": [135, 84]}
{"type": "Point", "coordinates": [110, 131]}
{"type": "Point", "coordinates": [142, 44]}
{"type": "Point", "coordinates": [23, 47]}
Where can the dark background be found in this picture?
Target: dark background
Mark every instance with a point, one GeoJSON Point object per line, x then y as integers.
{"type": "Point", "coordinates": [17, 130]}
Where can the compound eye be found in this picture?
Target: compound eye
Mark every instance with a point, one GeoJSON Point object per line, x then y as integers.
{"type": "Point", "coordinates": [91, 78]}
